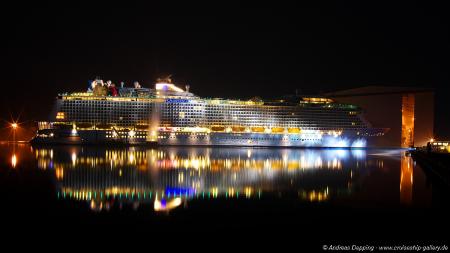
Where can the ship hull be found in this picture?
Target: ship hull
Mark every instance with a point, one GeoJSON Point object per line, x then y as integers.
{"type": "Point", "coordinates": [348, 139]}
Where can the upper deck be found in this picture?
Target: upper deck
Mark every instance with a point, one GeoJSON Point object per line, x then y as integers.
{"type": "Point", "coordinates": [166, 91]}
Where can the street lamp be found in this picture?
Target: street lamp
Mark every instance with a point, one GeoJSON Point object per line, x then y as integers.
{"type": "Point", "coordinates": [14, 126]}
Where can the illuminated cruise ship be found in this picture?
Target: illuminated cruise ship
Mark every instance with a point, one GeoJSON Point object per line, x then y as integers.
{"type": "Point", "coordinates": [170, 115]}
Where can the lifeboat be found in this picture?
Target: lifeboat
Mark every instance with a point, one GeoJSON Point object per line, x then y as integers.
{"type": "Point", "coordinates": [238, 129]}
{"type": "Point", "coordinates": [277, 130]}
{"type": "Point", "coordinates": [294, 130]}
{"type": "Point", "coordinates": [217, 128]}
{"type": "Point", "coordinates": [258, 129]}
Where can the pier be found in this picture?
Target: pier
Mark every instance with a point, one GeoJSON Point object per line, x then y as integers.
{"type": "Point", "coordinates": [435, 164]}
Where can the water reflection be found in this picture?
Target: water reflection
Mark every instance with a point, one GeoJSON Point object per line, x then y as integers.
{"type": "Point", "coordinates": [13, 160]}
{"type": "Point", "coordinates": [168, 177]}
{"type": "Point", "coordinates": [406, 179]}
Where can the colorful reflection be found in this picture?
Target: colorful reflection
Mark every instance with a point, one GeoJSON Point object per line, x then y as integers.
{"type": "Point", "coordinates": [111, 178]}
{"type": "Point", "coordinates": [166, 205]}
{"type": "Point", "coordinates": [165, 178]}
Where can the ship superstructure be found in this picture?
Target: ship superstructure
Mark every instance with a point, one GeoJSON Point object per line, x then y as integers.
{"type": "Point", "coordinates": [169, 115]}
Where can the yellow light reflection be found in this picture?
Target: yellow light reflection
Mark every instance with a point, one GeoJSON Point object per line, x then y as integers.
{"type": "Point", "coordinates": [406, 179]}
{"type": "Point", "coordinates": [14, 160]}
{"type": "Point", "coordinates": [74, 158]}
{"type": "Point", "coordinates": [242, 174]}
{"type": "Point", "coordinates": [315, 196]}
{"type": "Point", "coordinates": [59, 173]}
{"type": "Point", "coordinates": [166, 206]}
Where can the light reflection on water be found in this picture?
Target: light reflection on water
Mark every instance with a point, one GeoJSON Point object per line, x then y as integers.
{"type": "Point", "coordinates": [169, 177]}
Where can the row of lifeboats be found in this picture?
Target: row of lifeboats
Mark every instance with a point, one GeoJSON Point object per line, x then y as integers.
{"type": "Point", "coordinates": [225, 129]}
{"type": "Point", "coordinates": [106, 126]}
{"type": "Point", "coordinates": [237, 129]}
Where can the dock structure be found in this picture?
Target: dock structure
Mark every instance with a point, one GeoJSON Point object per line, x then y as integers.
{"type": "Point", "coordinates": [434, 164]}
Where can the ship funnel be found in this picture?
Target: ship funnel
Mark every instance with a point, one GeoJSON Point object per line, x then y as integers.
{"type": "Point", "coordinates": [187, 88]}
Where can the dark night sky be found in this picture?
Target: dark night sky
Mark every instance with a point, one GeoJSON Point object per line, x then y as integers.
{"type": "Point", "coordinates": [223, 52]}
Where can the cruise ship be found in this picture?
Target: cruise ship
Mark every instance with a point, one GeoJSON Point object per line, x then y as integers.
{"type": "Point", "coordinates": [170, 115]}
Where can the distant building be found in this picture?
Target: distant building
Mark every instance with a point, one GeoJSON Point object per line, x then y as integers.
{"type": "Point", "coordinates": [407, 111]}
{"type": "Point", "coordinates": [440, 146]}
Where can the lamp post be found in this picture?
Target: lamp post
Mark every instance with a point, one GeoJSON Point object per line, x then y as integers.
{"type": "Point", "coordinates": [14, 127]}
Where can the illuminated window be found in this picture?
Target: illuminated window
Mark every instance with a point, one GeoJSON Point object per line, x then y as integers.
{"type": "Point", "coordinates": [60, 115]}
